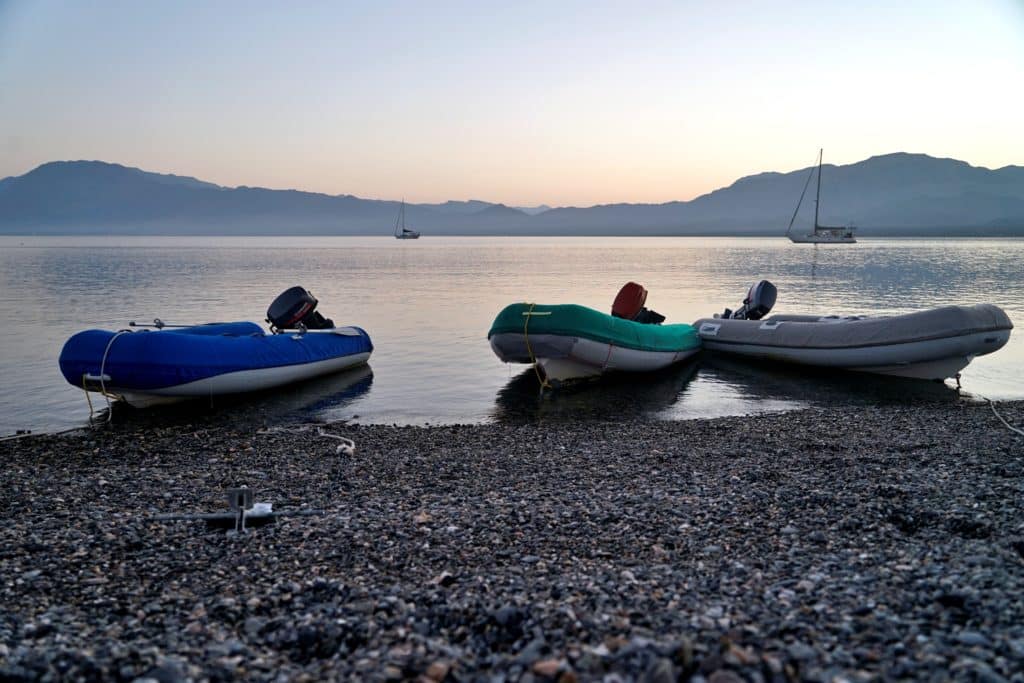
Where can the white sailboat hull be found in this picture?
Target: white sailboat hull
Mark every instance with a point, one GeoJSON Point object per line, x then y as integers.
{"type": "Point", "coordinates": [822, 238]}
{"type": "Point", "coordinates": [402, 232]}
{"type": "Point", "coordinates": [821, 234]}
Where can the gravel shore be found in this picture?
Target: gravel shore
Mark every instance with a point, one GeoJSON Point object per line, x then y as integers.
{"type": "Point", "coordinates": [838, 544]}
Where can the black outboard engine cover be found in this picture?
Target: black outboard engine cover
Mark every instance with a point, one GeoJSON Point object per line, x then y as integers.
{"type": "Point", "coordinates": [295, 307]}
{"type": "Point", "coordinates": [760, 300]}
{"type": "Point", "coordinates": [649, 317]}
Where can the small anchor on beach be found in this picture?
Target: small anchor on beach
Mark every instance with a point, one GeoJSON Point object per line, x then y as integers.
{"type": "Point", "coordinates": [242, 513]}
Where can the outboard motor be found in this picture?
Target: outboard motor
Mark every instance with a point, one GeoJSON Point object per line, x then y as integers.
{"type": "Point", "coordinates": [295, 308]}
{"type": "Point", "coordinates": [629, 304]}
{"type": "Point", "coordinates": [758, 303]}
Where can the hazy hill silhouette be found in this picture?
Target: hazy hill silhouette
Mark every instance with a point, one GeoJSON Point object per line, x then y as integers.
{"type": "Point", "coordinates": [891, 194]}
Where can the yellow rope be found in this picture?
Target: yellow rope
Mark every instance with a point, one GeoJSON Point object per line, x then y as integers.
{"type": "Point", "coordinates": [608, 357]}
{"type": "Point", "coordinates": [533, 359]}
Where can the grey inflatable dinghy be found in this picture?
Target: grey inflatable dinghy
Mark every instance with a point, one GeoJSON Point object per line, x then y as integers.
{"type": "Point", "coordinates": [931, 344]}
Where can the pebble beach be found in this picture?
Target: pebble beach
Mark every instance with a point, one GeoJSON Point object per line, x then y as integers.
{"type": "Point", "coordinates": [830, 544]}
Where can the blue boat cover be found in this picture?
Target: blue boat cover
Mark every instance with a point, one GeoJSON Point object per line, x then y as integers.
{"type": "Point", "coordinates": [157, 359]}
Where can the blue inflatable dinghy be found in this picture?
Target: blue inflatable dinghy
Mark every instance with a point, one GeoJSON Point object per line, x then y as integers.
{"type": "Point", "coordinates": [148, 367]}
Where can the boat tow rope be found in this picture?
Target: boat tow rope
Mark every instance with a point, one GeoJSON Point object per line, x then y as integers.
{"type": "Point", "coordinates": [346, 447]}
{"type": "Point", "coordinates": [992, 405]}
{"type": "Point", "coordinates": [103, 385]}
{"type": "Point", "coordinates": [607, 358]}
{"type": "Point", "coordinates": [544, 384]}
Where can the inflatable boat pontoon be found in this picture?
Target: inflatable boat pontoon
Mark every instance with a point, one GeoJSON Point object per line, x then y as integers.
{"type": "Point", "coordinates": [149, 367]}
{"type": "Point", "coordinates": [932, 344]}
{"type": "Point", "coordinates": [569, 342]}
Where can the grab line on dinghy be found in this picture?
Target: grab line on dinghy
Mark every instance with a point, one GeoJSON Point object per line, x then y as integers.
{"type": "Point", "coordinates": [102, 377]}
{"type": "Point", "coordinates": [839, 344]}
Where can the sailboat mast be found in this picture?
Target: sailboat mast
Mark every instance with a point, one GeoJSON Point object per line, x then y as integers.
{"type": "Point", "coordinates": [817, 198]}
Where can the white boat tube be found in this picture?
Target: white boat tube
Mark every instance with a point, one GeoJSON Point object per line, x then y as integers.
{"type": "Point", "coordinates": [564, 357]}
{"type": "Point", "coordinates": [933, 344]}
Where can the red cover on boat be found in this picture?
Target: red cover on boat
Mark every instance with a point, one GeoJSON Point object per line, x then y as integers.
{"type": "Point", "coordinates": [629, 301]}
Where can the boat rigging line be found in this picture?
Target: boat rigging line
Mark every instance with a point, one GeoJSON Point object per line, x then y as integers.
{"type": "Point", "coordinates": [157, 323]}
{"type": "Point", "coordinates": [801, 200]}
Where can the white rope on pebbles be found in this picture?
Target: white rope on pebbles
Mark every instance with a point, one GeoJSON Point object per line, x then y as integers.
{"type": "Point", "coordinates": [346, 447]}
{"type": "Point", "coordinates": [992, 405]}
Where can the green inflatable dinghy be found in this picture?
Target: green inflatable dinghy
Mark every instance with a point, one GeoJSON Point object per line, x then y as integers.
{"type": "Point", "coordinates": [574, 342]}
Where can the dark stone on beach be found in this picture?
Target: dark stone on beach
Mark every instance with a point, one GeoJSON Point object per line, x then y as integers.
{"type": "Point", "coordinates": [952, 600]}
{"type": "Point", "coordinates": [533, 651]}
{"type": "Point", "coordinates": [661, 671]}
{"type": "Point", "coordinates": [165, 673]}
{"type": "Point", "coordinates": [725, 676]}
{"type": "Point", "coordinates": [973, 638]}
{"type": "Point", "coordinates": [509, 617]}
{"type": "Point", "coordinates": [801, 651]}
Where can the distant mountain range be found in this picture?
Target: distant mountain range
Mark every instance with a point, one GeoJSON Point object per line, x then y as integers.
{"type": "Point", "coordinates": [894, 194]}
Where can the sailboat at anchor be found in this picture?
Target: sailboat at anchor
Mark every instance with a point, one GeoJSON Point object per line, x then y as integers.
{"type": "Point", "coordinates": [402, 232]}
{"type": "Point", "coordinates": [822, 234]}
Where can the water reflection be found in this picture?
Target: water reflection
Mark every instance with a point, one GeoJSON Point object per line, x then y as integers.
{"type": "Point", "coordinates": [766, 381]}
{"type": "Point", "coordinates": [316, 400]}
{"type": "Point", "coordinates": [709, 386]}
{"type": "Point", "coordinates": [428, 306]}
{"type": "Point", "coordinates": [612, 398]}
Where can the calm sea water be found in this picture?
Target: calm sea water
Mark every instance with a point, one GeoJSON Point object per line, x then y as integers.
{"type": "Point", "coordinates": [428, 304]}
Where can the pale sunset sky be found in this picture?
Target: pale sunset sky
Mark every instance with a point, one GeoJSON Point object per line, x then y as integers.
{"type": "Point", "coordinates": [563, 103]}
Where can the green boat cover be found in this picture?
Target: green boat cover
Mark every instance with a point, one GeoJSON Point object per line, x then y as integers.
{"type": "Point", "coordinates": [571, 320]}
